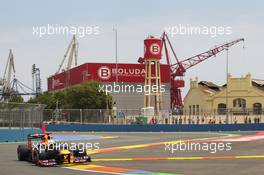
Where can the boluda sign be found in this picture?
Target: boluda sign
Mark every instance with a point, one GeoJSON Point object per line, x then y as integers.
{"type": "Point", "coordinates": [104, 72]}
{"type": "Point", "coordinates": [131, 73]}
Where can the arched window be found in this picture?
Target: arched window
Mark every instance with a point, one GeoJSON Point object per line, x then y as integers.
{"type": "Point", "coordinates": [221, 108]}
{"type": "Point", "coordinates": [257, 108]}
{"type": "Point", "coordinates": [239, 103]}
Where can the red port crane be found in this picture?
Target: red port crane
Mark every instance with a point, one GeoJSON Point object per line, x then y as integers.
{"type": "Point", "coordinates": [179, 68]}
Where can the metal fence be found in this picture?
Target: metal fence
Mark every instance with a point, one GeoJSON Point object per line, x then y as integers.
{"type": "Point", "coordinates": [24, 115]}
{"type": "Point", "coordinates": [21, 115]}
{"type": "Point", "coordinates": [127, 116]}
{"type": "Point", "coordinates": [90, 116]}
{"type": "Point", "coordinates": [219, 116]}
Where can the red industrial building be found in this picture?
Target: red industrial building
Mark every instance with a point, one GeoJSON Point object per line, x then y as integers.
{"type": "Point", "coordinates": [106, 73]}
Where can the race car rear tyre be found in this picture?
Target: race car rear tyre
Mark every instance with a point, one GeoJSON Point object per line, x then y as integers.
{"type": "Point", "coordinates": [23, 152]}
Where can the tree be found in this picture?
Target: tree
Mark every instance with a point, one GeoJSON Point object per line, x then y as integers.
{"type": "Point", "coordinates": [83, 96]}
{"type": "Point", "coordinates": [16, 99]}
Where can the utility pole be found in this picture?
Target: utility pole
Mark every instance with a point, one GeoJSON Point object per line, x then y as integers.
{"type": "Point", "coordinates": [227, 77]}
{"type": "Point", "coordinates": [116, 60]}
{"type": "Point", "coordinates": [115, 30]}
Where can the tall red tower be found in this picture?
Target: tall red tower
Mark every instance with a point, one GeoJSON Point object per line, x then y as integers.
{"type": "Point", "coordinates": [152, 56]}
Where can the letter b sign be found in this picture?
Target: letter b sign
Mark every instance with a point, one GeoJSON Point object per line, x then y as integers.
{"type": "Point", "coordinates": [152, 48]}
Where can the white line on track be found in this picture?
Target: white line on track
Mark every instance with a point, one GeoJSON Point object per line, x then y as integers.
{"type": "Point", "coordinates": [94, 171]}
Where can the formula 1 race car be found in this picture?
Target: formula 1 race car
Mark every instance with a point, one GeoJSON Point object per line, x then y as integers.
{"type": "Point", "coordinates": [43, 151]}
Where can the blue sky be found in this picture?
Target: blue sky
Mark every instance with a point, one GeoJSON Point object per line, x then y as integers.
{"type": "Point", "coordinates": [134, 20]}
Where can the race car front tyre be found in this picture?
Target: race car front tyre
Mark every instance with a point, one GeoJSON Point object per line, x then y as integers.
{"type": "Point", "coordinates": [59, 159]}
{"type": "Point", "coordinates": [89, 159]}
{"type": "Point", "coordinates": [79, 153]}
{"type": "Point", "coordinates": [38, 156]}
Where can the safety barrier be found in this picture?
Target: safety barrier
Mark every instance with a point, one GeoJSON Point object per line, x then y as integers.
{"type": "Point", "coordinates": [153, 128]}
{"type": "Point", "coordinates": [16, 135]}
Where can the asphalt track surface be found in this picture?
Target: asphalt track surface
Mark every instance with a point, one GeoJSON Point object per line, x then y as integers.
{"type": "Point", "coordinates": [144, 153]}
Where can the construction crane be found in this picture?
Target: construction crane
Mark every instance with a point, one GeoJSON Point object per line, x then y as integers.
{"type": "Point", "coordinates": [178, 68]}
{"type": "Point", "coordinates": [6, 82]}
{"type": "Point", "coordinates": [11, 86]}
{"type": "Point", "coordinates": [71, 53]}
